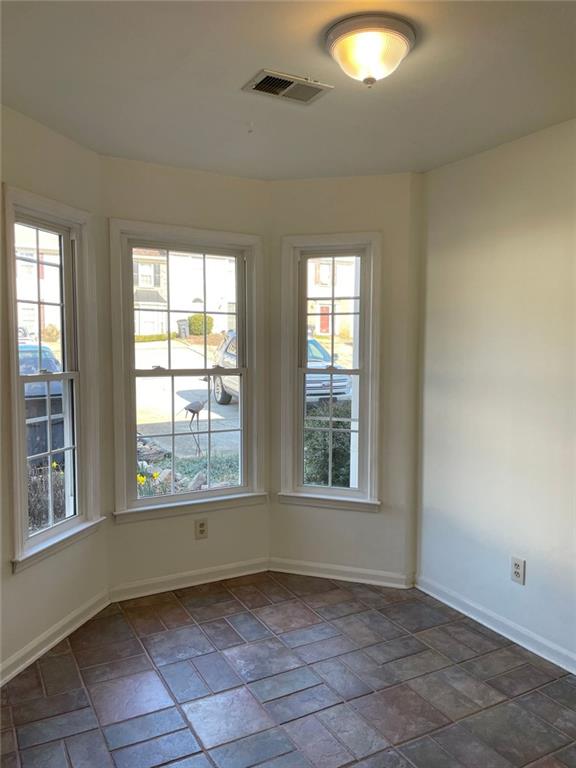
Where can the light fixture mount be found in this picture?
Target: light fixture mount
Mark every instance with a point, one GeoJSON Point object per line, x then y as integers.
{"type": "Point", "coordinates": [370, 46]}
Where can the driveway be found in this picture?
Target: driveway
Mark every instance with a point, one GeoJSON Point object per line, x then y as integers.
{"type": "Point", "coordinates": [154, 408]}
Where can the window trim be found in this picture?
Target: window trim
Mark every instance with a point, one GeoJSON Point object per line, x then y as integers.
{"type": "Point", "coordinates": [293, 250]}
{"type": "Point", "coordinates": [26, 550]}
{"type": "Point", "coordinates": [122, 233]}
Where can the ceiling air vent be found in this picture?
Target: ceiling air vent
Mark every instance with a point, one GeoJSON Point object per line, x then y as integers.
{"type": "Point", "coordinates": [290, 87]}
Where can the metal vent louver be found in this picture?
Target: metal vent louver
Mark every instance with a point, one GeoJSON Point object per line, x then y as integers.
{"type": "Point", "coordinates": [289, 87]}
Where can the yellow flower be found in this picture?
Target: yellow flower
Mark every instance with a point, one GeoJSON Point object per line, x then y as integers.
{"type": "Point", "coordinates": [155, 475]}
{"type": "Point", "coordinates": [141, 479]}
{"type": "Point", "coordinates": [54, 465]}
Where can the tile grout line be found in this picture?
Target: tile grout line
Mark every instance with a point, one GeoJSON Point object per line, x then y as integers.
{"type": "Point", "coordinates": [273, 634]}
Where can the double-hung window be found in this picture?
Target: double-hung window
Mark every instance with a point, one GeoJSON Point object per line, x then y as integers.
{"type": "Point", "coordinates": [184, 384]}
{"type": "Point", "coordinates": [50, 489]}
{"type": "Point", "coordinates": [330, 373]}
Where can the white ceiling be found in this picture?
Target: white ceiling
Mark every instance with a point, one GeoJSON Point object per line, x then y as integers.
{"type": "Point", "coordinates": [160, 81]}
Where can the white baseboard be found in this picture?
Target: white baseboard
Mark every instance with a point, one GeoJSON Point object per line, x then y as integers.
{"type": "Point", "coordinates": [144, 587]}
{"type": "Point", "coordinates": [342, 572]}
{"type": "Point", "coordinates": [533, 642]}
{"type": "Point", "coordinates": [40, 645]}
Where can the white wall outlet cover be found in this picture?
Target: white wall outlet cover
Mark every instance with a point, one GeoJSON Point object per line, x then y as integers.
{"type": "Point", "coordinates": [518, 570]}
{"type": "Point", "coordinates": [201, 529]}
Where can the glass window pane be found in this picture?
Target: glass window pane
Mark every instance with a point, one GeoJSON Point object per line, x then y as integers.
{"type": "Point", "coordinates": [317, 389]}
{"type": "Point", "coordinates": [319, 276]}
{"type": "Point", "coordinates": [51, 348]}
{"type": "Point", "coordinates": [36, 412]}
{"type": "Point", "coordinates": [150, 278]}
{"type": "Point", "coordinates": [28, 348]}
{"type": "Point", "coordinates": [346, 341]}
{"type": "Point", "coordinates": [190, 463]}
{"type": "Point", "coordinates": [221, 284]}
{"type": "Point", "coordinates": [38, 482]}
{"type": "Point", "coordinates": [190, 406]}
{"type": "Point", "coordinates": [50, 284]}
{"type": "Point", "coordinates": [150, 339]}
{"type": "Point", "coordinates": [316, 457]}
{"type": "Point", "coordinates": [318, 346]}
{"type": "Point", "coordinates": [343, 475]}
{"type": "Point", "coordinates": [61, 415]}
{"type": "Point", "coordinates": [186, 282]}
{"type": "Point", "coordinates": [345, 411]}
{"type": "Point", "coordinates": [225, 462]}
{"type": "Point", "coordinates": [317, 413]}
{"type": "Point", "coordinates": [219, 329]}
{"type": "Point", "coordinates": [154, 405]}
{"type": "Point", "coordinates": [225, 400]}
{"type": "Point", "coordinates": [198, 324]}
{"type": "Point", "coordinates": [226, 354]}
{"type": "Point", "coordinates": [187, 340]}
{"type": "Point", "coordinates": [26, 280]}
{"type": "Point", "coordinates": [48, 406]}
{"type": "Point", "coordinates": [317, 406]}
{"type": "Point", "coordinates": [62, 469]}
{"type": "Point", "coordinates": [346, 306]}
{"type": "Point", "coordinates": [347, 276]}
{"type": "Point", "coordinates": [188, 324]}
{"type": "Point", "coordinates": [153, 470]}
{"type": "Point", "coordinates": [25, 238]}
{"type": "Point", "coordinates": [341, 386]}
{"type": "Point", "coordinates": [49, 247]}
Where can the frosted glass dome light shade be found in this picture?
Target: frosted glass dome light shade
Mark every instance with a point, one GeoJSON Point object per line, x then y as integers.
{"type": "Point", "coordinates": [370, 47]}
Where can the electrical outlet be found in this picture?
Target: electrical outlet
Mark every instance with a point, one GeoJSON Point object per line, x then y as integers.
{"type": "Point", "coordinates": [518, 573]}
{"type": "Point", "coordinates": [201, 528]}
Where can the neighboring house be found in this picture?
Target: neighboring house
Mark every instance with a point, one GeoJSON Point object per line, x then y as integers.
{"type": "Point", "coordinates": [150, 292]}
{"type": "Point", "coordinates": [177, 279]}
{"type": "Point", "coordinates": [346, 282]}
{"type": "Point", "coordinates": [38, 282]}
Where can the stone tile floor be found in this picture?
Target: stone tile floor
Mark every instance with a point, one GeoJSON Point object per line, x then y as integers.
{"type": "Point", "coordinates": [287, 671]}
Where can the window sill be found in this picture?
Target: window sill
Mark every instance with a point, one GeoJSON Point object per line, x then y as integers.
{"type": "Point", "coordinates": [177, 509]}
{"type": "Point", "coordinates": [35, 554]}
{"type": "Point", "coordinates": [330, 502]}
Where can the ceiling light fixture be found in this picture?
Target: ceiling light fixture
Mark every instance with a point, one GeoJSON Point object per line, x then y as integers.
{"type": "Point", "coordinates": [370, 47]}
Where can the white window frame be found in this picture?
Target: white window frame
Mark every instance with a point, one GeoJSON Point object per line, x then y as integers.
{"type": "Point", "coordinates": [39, 211]}
{"type": "Point", "coordinates": [295, 249]}
{"type": "Point", "coordinates": [124, 235]}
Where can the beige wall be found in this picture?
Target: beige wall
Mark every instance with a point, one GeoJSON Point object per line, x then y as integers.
{"type": "Point", "coordinates": [142, 551]}
{"type": "Point", "coordinates": [500, 388]}
{"type": "Point", "coordinates": [376, 545]}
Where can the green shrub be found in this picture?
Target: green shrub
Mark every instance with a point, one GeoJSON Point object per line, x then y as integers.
{"type": "Point", "coordinates": [316, 447]}
{"type": "Point", "coordinates": [196, 324]}
{"type": "Point", "coordinates": [50, 333]}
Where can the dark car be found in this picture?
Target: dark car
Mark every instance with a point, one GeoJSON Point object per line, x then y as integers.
{"type": "Point", "coordinates": [317, 386]}
{"type": "Point", "coordinates": [35, 398]}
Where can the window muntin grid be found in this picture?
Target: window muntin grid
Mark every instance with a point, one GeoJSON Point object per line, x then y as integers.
{"type": "Point", "coordinates": [189, 373]}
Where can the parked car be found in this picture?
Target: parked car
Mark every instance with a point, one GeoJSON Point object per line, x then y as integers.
{"type": "Point", "coordinates": [317, 387]}
{"type": "Point", "coordinates": [35, 399]}
{"type": "Point", "coordinates": [28, 358]}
